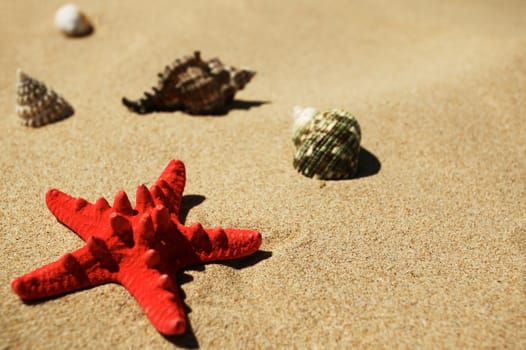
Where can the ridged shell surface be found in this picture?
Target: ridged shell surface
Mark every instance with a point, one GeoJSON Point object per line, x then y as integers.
{"type": "Point", "coordinates": [193, 85]}
{"type": "Point", "coordinates": [38, 105]}
{"type": "Point", "coordinates": [328, 145]}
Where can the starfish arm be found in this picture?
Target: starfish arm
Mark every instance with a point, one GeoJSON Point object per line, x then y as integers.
{"type": "Point", "coordinates": [171, 185]}
{"type": "Point", "coordinates": [215, 244]}
{"type": "Point", "coordinates": [74, 271]}
{"type": "Point", "coordinates": [82, 217]}
{"type": "Point", "coordinates": [157, 295]}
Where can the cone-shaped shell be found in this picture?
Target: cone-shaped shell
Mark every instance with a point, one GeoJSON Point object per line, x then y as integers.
{"type": "Point", "coordinates": [327, 144]}
{"type": "Point", "coordinates": [38, 105]}
{"type": "Point", "coordinates": [195, 86]}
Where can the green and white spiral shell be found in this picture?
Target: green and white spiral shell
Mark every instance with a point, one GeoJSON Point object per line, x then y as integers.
{"type": "Point", "coordinates": [327, 143]}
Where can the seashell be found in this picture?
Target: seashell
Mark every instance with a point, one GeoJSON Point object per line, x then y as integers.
{"type": "Point", "coordinates": [72, 22]}
{"type": "Point", "coordinates": [37, 104]}
{"type": "Point", "coordinates": [327, 143]}
{"type": "Point", "coordinates": [195, 86]}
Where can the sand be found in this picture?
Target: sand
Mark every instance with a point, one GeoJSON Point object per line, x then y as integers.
{"type": "Point", "coordinates": [426, 249]}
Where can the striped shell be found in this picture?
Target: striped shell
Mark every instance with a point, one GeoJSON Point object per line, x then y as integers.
{"type": "Point", "coordinates": [193, 85]}
{"type": "Point", "coordinates": [327, 144]}
{"type": "Point", "coordinates": [38, 105]}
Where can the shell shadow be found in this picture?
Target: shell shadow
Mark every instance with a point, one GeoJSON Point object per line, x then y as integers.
{"type": "Point", "coordinates": [87, 33]}
{"type": "Point", "coordinates": [236, 104]}
{"type": "Point", "coordinates": [368, 164]}
{"type": "Point", "coordinates": [247, 104]}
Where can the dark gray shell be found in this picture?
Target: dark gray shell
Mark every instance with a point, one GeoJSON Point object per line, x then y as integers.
{"type": "Point", "coordinates": [193, 85]}
{"type": "Point", "coordinates": [328, 146]}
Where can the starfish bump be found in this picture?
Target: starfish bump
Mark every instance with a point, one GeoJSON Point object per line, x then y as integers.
{"type": "Point", "coordinates": [140, 248]}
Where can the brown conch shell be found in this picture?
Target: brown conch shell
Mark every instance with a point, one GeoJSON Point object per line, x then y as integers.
{"type": "Point", "coordinates": [195, 86]}
{"type": "Point", "coordinates": [38, 105]}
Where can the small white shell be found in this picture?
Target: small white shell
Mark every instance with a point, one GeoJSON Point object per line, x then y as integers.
{"type": "Point", "coordinates": [71, 21]}
{"type": "Point", "coordinates": [38, 105]}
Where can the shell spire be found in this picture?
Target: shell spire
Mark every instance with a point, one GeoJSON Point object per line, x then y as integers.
{"type": "Point", "coordinates": [193, 85]}
{"type": "Point", "coordinates": [38, 105]}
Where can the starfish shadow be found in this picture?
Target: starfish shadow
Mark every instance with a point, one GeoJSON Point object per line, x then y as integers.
{"type": "Point", "coordinates": [39, 301]}
{"type": "Point", "coordinates": [188, 202]}
{"type": "Point", "coordinates": [188, 339]}
{"type": "Point", "coordinates": [250, 260]}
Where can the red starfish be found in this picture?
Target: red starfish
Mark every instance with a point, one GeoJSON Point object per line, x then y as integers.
{"type": "Point", "coordinates": [139, 248]}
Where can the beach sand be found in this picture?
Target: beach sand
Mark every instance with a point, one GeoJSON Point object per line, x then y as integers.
{"type": "Point", "coordinates": [425, 249]}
